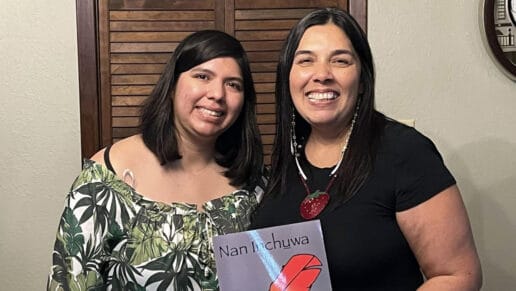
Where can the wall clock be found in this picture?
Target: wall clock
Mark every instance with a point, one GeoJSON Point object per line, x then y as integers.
{"type": "Point", "coordinates": [499, 25]}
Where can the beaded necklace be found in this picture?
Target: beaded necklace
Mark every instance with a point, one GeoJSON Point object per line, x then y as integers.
{"type": "Point", "coordinates": [315, 202]}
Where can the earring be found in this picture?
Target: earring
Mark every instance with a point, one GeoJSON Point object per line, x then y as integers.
{"type": "Point", "coordinates": [294, 146]}
{"type": "Point", "coordinates": [293, 140]}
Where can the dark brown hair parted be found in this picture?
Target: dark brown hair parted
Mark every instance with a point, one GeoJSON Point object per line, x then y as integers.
{"type": "Point", "coordinates": [239, 148]}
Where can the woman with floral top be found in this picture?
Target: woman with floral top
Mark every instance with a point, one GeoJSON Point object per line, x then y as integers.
{"type": "Point", "coordinates": [141, 214]}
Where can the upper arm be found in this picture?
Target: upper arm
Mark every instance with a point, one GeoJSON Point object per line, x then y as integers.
{"type": "Point", "coordinates": [77, 250]}
{"type": "Point", "coordinates": [439, 233]}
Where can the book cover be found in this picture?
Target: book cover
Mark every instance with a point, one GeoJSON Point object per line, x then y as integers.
{"type": "Point", "coordinates": [282, 258]}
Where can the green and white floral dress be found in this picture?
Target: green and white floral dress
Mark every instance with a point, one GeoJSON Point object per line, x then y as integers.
{"type": "Point", "coordinates": [112, 238]}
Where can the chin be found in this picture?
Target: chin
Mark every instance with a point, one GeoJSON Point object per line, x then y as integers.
{"type": "Point", "coordinates": [209, 133]}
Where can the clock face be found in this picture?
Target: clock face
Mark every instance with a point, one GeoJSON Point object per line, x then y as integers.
{"type": "Point", "coordinates": [512, 11]}
{"type": "Point", "coordinates": [500, 33]}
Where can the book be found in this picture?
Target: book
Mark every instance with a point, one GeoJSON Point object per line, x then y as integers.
{"type": "Point", "coordinates": [281, 258]}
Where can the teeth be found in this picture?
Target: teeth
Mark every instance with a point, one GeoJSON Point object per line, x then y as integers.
{"type": "Point", "coordinates": [210, 112]}
{"type": "Point", "coordinates": [322, 96]}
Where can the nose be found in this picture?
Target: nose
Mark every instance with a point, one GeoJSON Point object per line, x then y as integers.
{"type": "Point", "coordinates": [216, 91]}
{"type": "Point", "coordinates": [322, 73]}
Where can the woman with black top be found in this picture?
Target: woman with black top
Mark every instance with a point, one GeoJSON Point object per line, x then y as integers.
{"type": "Point", "coordinates": [391, 213]}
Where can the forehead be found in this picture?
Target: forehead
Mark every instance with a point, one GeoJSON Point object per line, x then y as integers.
{"type": "Point", "coordinates": [327, 36]}
{"type": "Point", "coordinates": [221, 65]}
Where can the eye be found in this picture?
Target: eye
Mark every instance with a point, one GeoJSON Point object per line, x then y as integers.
{"type": "Point", "coordinates": [235, 85]}
{"type": "Point", "coordinates": [201, 76]}
{"type": "Point", "coordinates": [304, 61]}
{"type": "Point", "coordinates": [342, 61]}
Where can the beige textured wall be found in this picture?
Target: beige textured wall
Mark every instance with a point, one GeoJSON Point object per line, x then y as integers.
{"type": "Point", "coordinates": [39, 129]}
{"type": "Point", "coordinates": [432, 66]}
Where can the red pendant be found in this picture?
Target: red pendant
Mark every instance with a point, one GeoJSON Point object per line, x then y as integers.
{"type": "Point", "coordinates": [314, 204]}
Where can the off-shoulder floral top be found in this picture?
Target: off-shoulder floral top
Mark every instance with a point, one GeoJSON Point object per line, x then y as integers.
{"type": "Point", "coordinates": [112, 238]}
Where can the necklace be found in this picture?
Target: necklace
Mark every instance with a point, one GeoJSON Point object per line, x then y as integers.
{"type": "Point", "coordinates": [315, 202]}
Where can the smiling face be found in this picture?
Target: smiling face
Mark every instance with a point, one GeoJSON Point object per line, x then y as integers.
{"type": "Point", "coordinates": [325, 78]}
{"type": "Point", "coordinates": [208, 99]}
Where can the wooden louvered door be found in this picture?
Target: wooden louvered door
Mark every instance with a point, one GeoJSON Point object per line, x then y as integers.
{"type": "Point", "coordinates": [136, 40]}
{"type": "Point", "coordinates": [124, 45]}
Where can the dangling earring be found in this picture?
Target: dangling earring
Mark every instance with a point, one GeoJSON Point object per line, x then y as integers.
{"type": "Point", "coordinates": [293, 141]}
{"type": "Point", "coordinates": [294, 146]}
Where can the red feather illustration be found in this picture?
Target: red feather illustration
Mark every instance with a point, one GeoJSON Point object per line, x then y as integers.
{"type": "Point", "coordinates": [298, 274]}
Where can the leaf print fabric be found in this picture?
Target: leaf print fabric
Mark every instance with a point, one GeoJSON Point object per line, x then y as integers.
{"type": "Point", "coordinates": [112, 238]}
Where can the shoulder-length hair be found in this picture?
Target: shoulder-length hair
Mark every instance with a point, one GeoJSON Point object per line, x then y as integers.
{"type": "Point", "coordinates": [362, 146]}
{"type": "Point", "coordinates": [239, 148]}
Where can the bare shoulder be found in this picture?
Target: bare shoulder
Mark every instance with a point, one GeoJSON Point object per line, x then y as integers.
{"type": "Point", "coordinates": [98, 157]}
{"type": "Point", "coordinates": [123, 152]}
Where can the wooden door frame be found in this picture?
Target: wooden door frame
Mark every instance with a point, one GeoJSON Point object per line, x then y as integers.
{"type": "Point", "coordinates": [89, 81]}
{"type": "Point", "coordinates": [94, 117]}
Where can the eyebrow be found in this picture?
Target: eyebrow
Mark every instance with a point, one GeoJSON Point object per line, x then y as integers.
{"type": "Point", "coordinates": [333, 53]}
{"type": "Point", "coordinates": [208, 71]}
{"type": "Point", "coordinates": [238, 79]}
{"type": "Point", "coordinates": [203, 70]}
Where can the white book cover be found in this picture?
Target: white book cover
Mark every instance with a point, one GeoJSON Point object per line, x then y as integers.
{"type": "Point", "coordinates": [282, 258]}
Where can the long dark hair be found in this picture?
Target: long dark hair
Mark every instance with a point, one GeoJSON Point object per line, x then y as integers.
{"type": "Point", "coordinates": [362, 146]}
{"type": "Point", "coordinates": [239, 148]}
